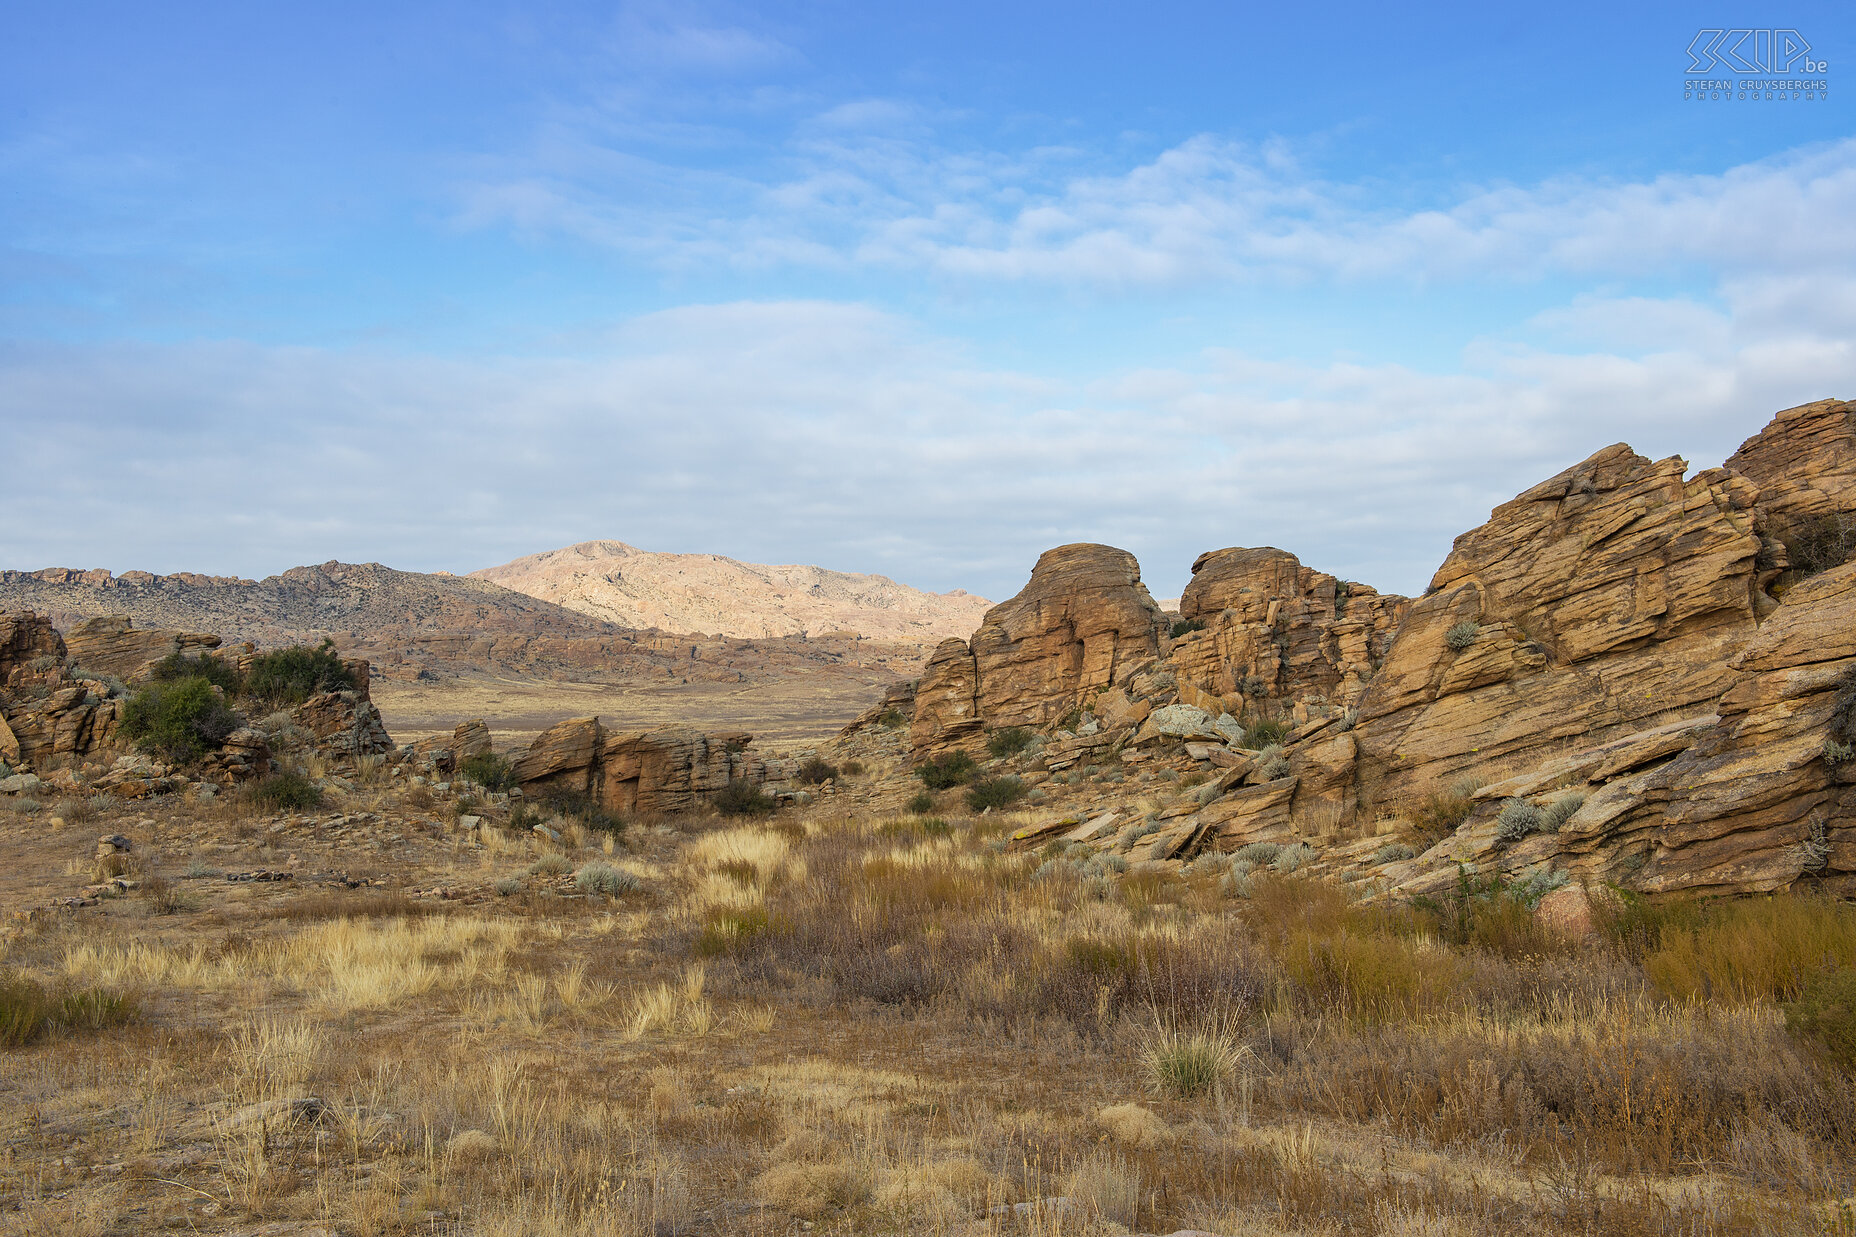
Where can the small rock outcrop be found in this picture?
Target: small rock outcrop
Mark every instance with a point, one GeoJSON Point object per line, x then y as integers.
{"type": "Point", "coordinates": [112, 645]}
{"type": "Point", "coordinates": [648, 772]}
{"type": "Point", "coordinates": [1083, 621]}
{"type": "Point", "coordinates": [1801, 464]}
{"type": "Point", "coordinates": [26, 637]}
{"type": "Point", "coordinates": [1272, 628]}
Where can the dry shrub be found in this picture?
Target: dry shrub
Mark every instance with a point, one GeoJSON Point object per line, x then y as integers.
{"type": "Point", "coordinates": [1437, 813]}
{"type": "Point", "coordinates": [1135, 1127]}
{"type": "Point", "coordinates": [1761, 949]}
{"type": "Point", "coordinates": [940, 1192]}
{"type": "Point", "coordinates": [810, 1189]}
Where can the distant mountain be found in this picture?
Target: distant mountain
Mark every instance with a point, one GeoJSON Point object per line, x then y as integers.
{"type": "Point", "coordinates": [411, 624]}
{"type": "Point", "coordinates": [720, 596]}
{"type": "Point", "coordinates": [353, 603]}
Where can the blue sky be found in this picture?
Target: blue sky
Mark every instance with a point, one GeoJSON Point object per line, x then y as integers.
{"type": "Point", "coordinates": [920, 290]}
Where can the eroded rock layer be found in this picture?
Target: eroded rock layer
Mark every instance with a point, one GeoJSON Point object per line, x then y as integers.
{"type": "Point", "coordinates": [1607, 595]}
{"type": "Point", "coordinates": [648, 772]}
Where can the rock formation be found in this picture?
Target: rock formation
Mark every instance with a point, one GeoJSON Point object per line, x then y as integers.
{"type": "Point", "coordinates": [1084, 621]}
{"type": "Point", "coordinates": [1621, 677]}
{"type": "Point", "coordinates": [346, 725]}
{"type": "Point", "coordinates": [1609, 594]}
{"type": "Point", "coordinates": [637, 772]}
{"type": "Point", "coordinates": [1273, 628]}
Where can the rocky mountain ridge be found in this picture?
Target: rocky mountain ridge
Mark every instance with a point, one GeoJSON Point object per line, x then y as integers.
{"type": "Point", "coordinates": [709, 593]}
{"type": "Point", "coordinates": [412, 625]}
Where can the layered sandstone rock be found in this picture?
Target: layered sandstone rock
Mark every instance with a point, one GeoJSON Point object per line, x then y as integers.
{"type": "Point", "coordinates": [1604, 597]}
{"type": "Point", "coordinates": [346, 725]}
{"type": "Point", "coordinates": [1766, 796]}
{"type": "Point", "coordinates": [1274, 628]}
{"type": "Point", "coordinates": [26, 637]}
{"type": "Point", "coordinates": [1083, 621]}
{"type": "Point", "coordinates": [1804, 464]}
{"type": "Point", "coordinates": [666, 770]}
{"type": "Point", "coordinates": [111, 644]}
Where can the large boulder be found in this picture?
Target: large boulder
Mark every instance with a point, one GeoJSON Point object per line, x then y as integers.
{"type": "Point", "coordinates": [346, 725]}
{"type": "Point", "coordinates": [111, 644]}
{"type": "Point", "coordinates": [648, 772]}
{"type": "Point", "coordinates": [1083, 621]}
{"type": "Point", "coordinates": [1274, 628]}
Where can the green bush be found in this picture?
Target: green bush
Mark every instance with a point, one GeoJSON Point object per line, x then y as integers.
{"type": "Point", "coordinates": [892, 719]}
{"type": "Point", "coordinates": [1187, 1064]}
{"type": "Point", "coordinates": [286, 792]}
{"type": "Point", "coordinates": [1262, 732]}
{"type": "Point", "coordinates": [946, 770]}
{"type": "Point", "coordinates": [1008, 741]}
{"type": "Point", "coordinates": [815, 770]}
{"type": "Point", "coordinates": [995, 792]}
{"type": "Point", "coordinates": [292, 675]}
{"type": "Point", "coordinates": [1392, 852]}
{"type": "Point", "coordinates": [921, 804]}
{"type": "Point", "coordinates": [181, 719]}
{"type": "Point", "coordinates": [742, 798]}
{"type": "Point", "coordinates": [488, 770]}
{"type": "Point", "coordinates": [1825, 1014]}
{"type": "Point", "coordinates": [173, 668]}
{"type": "Point", "coordinates": [1185, 625]}
{"type": "Point", "coordinates": [606, 879]}
{"type": "Point", "coordinates": [1462, 635]}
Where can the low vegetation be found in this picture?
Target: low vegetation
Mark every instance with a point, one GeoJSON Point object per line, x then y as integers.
{"type": "Point", "coordinates": [179, 719]}
{"type": "Point", "coordinates": [947, 770]}
{"type": "Point", "coordinates": [912, 1025]}
{"type": "Point", "coordinates": [488, 770]}
{"type": "Point", "coordinates": [1008, 741]}
{"type": "Point", "coordinates": [292, 675]}
{"type": "Point", "coordinates": [288, 791]}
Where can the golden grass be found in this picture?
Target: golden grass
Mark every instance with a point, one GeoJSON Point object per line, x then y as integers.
{"type": "Point", "coordinates": [918, 1031]}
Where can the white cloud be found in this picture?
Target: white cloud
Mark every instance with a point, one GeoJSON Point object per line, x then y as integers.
{"type": "Point", "coordinates": [806, 431]}
{"type": "Point", "coordinates": [1211, 210]}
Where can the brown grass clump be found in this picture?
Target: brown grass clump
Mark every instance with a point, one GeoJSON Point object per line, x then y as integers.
{"type": "Point", "coordinates": [1760, 949]}
{"type": "Point", "coordinates": [809, 1189]}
